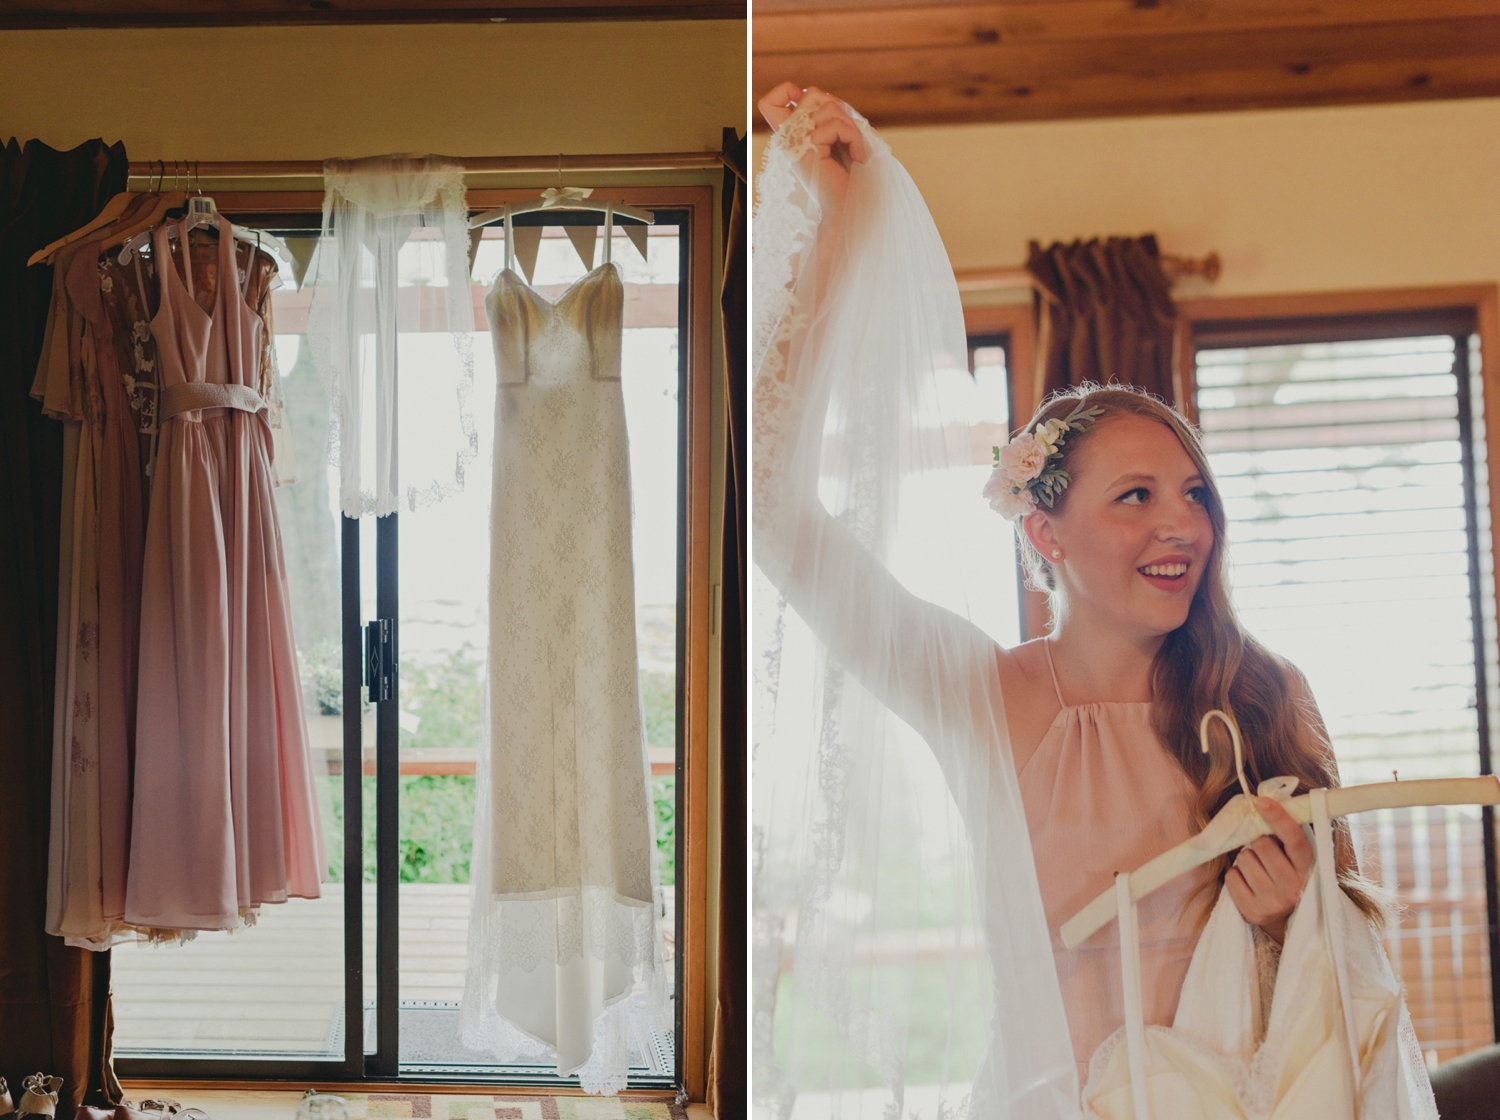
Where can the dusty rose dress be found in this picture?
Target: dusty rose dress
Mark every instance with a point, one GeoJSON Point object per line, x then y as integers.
{"type": "Point", "coordinates": [224, 816]}
{"type": "Point", "coordinates": [1102, 795]}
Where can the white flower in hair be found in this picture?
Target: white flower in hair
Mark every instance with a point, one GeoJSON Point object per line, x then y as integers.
{"type": "Point", "coordinates": [1050, 434]}
{"type": "Point", "coordinates": [1028, 470]}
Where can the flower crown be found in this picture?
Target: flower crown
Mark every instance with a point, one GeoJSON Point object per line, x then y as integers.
{"type": "Point", "coordinates": [1028, 470]}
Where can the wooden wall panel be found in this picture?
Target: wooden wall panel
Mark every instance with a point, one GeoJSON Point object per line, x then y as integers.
{"type": "Point", "coordinates": [902, 63]}
{"type": "Point", "coordinates": [242, 13]}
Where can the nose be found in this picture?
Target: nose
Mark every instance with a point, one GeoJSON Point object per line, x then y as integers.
{"type": "Point", "coordinates": [1181, 522]}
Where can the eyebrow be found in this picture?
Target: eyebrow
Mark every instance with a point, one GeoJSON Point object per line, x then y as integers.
{"type": "Point", "coordinates": [1148, 478]}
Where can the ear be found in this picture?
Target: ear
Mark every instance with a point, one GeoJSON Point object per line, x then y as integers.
{"type": "Point", "coordinates": [1038, 529]}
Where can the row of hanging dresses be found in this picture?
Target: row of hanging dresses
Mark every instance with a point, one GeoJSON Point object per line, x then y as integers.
{"type": "Point", "coordinates": [182, 790]}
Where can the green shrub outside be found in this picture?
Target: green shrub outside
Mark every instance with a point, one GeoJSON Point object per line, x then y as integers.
{"type": "Point", "coordinates": [436, 818]}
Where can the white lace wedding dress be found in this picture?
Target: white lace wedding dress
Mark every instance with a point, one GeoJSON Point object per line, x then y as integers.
{"type": "Point", "coordinates": [565, 954]}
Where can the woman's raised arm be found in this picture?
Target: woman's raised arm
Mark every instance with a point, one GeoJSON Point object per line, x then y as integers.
{"type": "Point", "coordinates": [934, 669]}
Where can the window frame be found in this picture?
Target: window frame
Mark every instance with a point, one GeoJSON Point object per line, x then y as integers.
{"type": "Point", "coordinates": [1016, 322]}
{"type": "Point", "coordinates": [359, 1072]}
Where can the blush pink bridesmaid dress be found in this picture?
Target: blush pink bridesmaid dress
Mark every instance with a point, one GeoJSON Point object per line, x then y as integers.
{"type": "Point", "coordinates": [224, 816]}
{"type": "Point", "coordinates": [1103, 795]}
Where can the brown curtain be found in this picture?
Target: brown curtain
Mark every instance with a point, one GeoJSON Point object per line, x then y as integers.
{"type": "Point", "coordinates": [1104, 313]}
{"type": "Point", "coordinates": [728, 1057]}
{"type": "Point", "coordinates": [54, 1001]}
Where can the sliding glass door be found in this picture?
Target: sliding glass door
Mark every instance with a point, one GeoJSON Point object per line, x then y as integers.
{"type": "Point", "coordinates": [367, 980]}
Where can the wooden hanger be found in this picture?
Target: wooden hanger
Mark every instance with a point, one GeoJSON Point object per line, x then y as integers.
{"type": "Point", "coordinates": [112, 210]}
{"type": "Point", "coordinates": [150, 220]}
{"type": "Point", "coordinates": [1240, 822]}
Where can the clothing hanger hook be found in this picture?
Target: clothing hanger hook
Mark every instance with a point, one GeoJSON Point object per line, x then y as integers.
{"type": "Point", "coordinates": [1234, 737]}
{"type": "Point", "coordinates": [559, 171]}
{"type": "Point", "coordinates": [198, 177]}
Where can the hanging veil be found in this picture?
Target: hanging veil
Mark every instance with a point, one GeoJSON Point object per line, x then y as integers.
{"type": "Point", "coordinates": [902, 965]}
{"type": "Point", "coordinates": [391, 324]}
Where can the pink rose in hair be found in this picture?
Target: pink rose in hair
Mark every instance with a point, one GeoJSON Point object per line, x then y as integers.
{"type": "Point", "coordinates": [1023, 459]}
{"type": "Point", "coordinates": [1007, 498]}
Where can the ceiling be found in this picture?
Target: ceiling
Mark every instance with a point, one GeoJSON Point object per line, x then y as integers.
{"type": "Point", "coordinates": [901, 62]}
{"type": "Point", "coordinates": [15, 14]}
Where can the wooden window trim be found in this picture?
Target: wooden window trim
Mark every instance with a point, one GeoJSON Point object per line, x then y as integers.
{"type": "Point", "coordinates": [693, 898]}
{"type": "Point", "coordinates": [1017, 321]}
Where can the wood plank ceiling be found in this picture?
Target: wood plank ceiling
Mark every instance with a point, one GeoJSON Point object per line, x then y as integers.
{"type": "Point", "coordinates": [18, 14]}
{"type": "Point", "coordinates": [910, 63]}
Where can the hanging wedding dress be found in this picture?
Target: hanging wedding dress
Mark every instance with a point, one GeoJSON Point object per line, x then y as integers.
{"type": "Point", "coordinates": [565, 951]}
{"type": "Point", "coordinates": [894, 884]}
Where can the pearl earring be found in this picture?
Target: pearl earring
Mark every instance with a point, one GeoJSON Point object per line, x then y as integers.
{"type": "Point", "coordinates": [1057, 554]}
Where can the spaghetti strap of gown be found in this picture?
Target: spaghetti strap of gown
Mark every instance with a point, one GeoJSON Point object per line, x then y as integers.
{"type": "Point", "coordinates": [1051, 668]}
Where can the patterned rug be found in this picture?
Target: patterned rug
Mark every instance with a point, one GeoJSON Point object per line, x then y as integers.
{"type": "Point", "coordinates": [445, 1106]}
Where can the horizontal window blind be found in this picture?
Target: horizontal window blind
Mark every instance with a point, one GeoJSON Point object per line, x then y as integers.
{"type": "Point", "coordinates": [1341, 460]}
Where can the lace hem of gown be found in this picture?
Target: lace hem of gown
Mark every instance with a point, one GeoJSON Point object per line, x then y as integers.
{"type": "Point", "coordinates": [518, 941]}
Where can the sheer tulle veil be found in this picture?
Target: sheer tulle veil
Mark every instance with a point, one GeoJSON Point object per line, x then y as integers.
{"type": "Point", "coordinates": [901, 960]}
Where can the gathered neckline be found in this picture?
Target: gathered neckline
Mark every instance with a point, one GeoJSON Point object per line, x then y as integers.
{"type": "Point", "coordinates": [1066, 708]}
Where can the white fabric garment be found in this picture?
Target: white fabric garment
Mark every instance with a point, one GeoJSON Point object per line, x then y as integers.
{"type": "Point", "coordinates": [899, 934]}
{"type": "Point", "coordinates": [391, 323]}
{"type": "Point", "coordinates": [566, 957]}
{"type": "Point", "coordinates": [1209, 1065]}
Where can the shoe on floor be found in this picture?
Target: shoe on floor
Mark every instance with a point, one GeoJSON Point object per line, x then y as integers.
{"type": "Point", "coordinates": [39, 1096]}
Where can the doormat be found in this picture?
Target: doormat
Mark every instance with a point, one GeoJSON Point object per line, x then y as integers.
{"type": "Point", "coordinates": [456, 1106]}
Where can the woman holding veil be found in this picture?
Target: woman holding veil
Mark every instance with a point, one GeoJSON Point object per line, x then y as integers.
{"type": "Point", "coordinates": [930, 806]}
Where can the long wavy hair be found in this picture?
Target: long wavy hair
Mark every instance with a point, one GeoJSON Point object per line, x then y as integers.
{"type": "Point", "coordinates": [1211, 662]}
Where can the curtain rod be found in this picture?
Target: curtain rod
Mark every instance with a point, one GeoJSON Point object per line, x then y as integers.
{"type": "Point", "coordinates": [181, 170]}
{"type": "Point", "coordinates": [1176, 267]}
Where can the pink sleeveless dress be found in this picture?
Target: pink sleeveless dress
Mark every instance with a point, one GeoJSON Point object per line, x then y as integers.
{"type": "Point", "coordinates": [1102, 795]}
{"type": "Point", "coordinates": [223, 811]}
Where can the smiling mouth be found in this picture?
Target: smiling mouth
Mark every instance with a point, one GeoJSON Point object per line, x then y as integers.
{"type": "Point", "coordinates": [1172, 575]}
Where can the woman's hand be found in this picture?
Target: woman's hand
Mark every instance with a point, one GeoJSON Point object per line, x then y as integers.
{"type": "Point", "coordinates": [1268, 875]}
{"type": "Point", "coordinates": [836, 137]}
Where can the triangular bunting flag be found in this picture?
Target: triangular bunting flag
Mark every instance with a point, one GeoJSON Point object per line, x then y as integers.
{"type": "Point", "coordinates": [528, 241]}
{"type": "Point", "coordinates": [636, 231]}
{"type": "Point", "coordinates": [302, 250]}
{"type": "Point", "coordinates": [474, 237]}
{"type": "Point", "coordinates": [582, 238]}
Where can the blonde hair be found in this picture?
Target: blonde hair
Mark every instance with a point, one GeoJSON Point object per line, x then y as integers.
{"type": "Point", "coordinates": [1211, 662]}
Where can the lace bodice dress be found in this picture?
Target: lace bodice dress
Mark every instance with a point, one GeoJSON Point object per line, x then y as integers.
{"type": "Point", "coordinates": [564, 924]}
